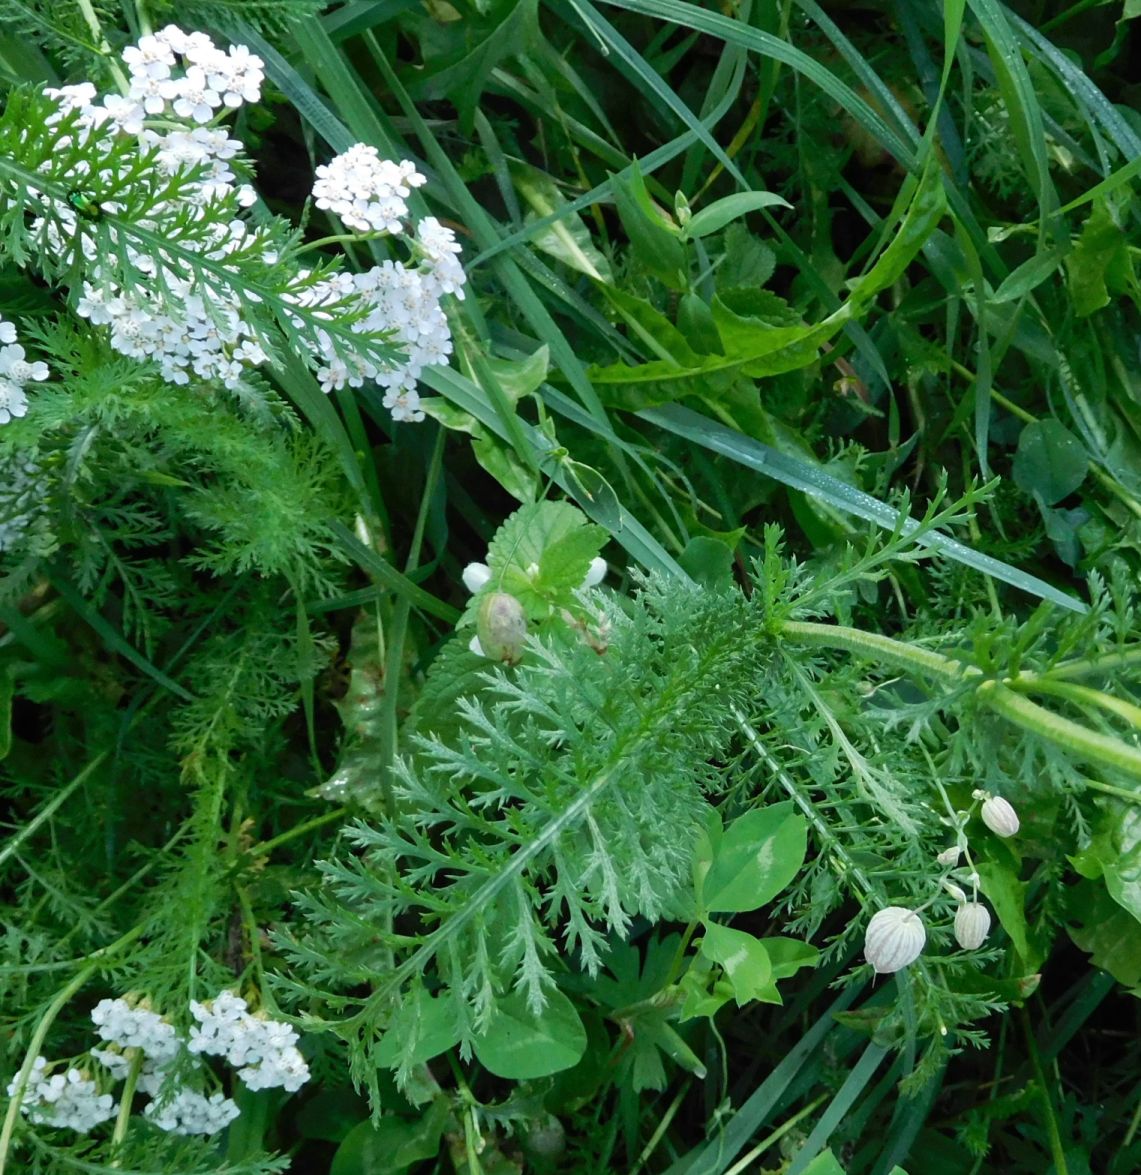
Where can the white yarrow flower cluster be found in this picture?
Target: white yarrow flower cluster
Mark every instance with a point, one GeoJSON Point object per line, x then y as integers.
{"type": "Point", "coordinates": [205, 79]}
{"type": "Point", "coordinates": [16, 372]}
{"type": "Point", "coordinates": [69, 1099]}
{"type": "Point", "coordinates": [192, 325]}
{"type": "Point", "coordinates": [262, 1050]}
{"type": "Point", "coordinates": [368, 193]}
{"type": "Point", "coordinates": [21, 499]}
{"type": "Point", "coordinates": [136, 1027]}
{"type": "Point", "coordinates": [190, 1112]}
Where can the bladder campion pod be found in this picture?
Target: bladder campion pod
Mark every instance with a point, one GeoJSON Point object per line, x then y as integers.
{"type": "Point", "coordinates": [894, 939]}
{"type": "Point", "coordinates": [501, 627]}
{"type": "Point", "coordinates": [972, 925]}
{"type": "Point", "coordinates": [999, 816]}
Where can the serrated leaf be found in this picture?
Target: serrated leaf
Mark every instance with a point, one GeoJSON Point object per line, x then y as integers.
{"type": "Point", "coordinates": [521, 1044]}
{"type": "Point", "coordinates": [1100, 263]}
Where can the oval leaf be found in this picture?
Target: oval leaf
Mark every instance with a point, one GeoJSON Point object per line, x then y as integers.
{"type": "Point", "coordinates": [760, 853]}
{"type": "Point", "coordinates": [521, 1044]}
{"type": "Point", "coordinates": [1051, 462]}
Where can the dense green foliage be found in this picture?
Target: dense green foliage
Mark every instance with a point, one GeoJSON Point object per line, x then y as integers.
{"type": "Point", "coordinates": [821, 328]}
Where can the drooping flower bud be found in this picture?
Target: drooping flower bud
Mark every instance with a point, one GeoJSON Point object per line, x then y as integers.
{"type": "Point", "coordinates": [894, 939]}
{"type": "Point", "coordinates": [972, 925]}
{"type": "Point", "coordinates": [949, 856]}
{"type": "Point", "coordinates": [475, 575]}
{"type": "Point", "coordinates": [999, 816]}
{"type": "Point", "coordinates": [501, 627]}
{"type": "Point", "coordinates": [595, 573]}
{"type": "Point", "coordinates": [954, 891]}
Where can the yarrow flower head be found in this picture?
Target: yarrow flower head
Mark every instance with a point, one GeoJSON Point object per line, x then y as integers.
{"type": "Point", "coordinates": [894, 939]}
{"type": "Point", "coordinates": [15, 373]}
{"type": "Point", "coordinates": [190, 1112]}
{"type": "Point", "coordinates": [136, 1027]}
{"type": "Point", "coordinates": [262, 1050]}
{"type": "Point", "coordinates": [365, 191]}
{"type": "Point", "coordinates": [69, 1099]}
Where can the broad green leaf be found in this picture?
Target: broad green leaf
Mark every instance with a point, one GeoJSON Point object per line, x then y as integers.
{"type": "Point", "coordinates": [825, 1163]}
{"type": "Point", "coordinates": [521, 1044]}
{"type": "Point", "coordinates": [745, 961]}
{"type": "Point", "coordinates": [1106, 932]}
{"type": "Point", "coordinates": [419, 1031]}
{"type": "Point", "coordinates": [747, 260]}
{"type": "Point", "coordinates": [755, 858]}
{"type": "Point", "coordinates": [1051, 462]}
{"type": "Point", "coordinates": [789, 955]}
{"type": "Point", "coordinates": [718, 214]}
{"type": "Point", "coordinates": [695, 321]}
{"type": "Point", "coordinates": [653, 240]}
{"type": "Point", "coordinates": [1100, 263]}
{"type": "Point", "coordinates": [393, 1144]}
{"type": "Point", "coordinates": [646, 323]}
{"type": "Point", "coordinates": [1008, 896]}
{"type": "Point", "coordinates": [708, 561]}
{"type": "Point", "coordinates": [567, 239]}
{"type": "Point", "coordinates": [541, 552]}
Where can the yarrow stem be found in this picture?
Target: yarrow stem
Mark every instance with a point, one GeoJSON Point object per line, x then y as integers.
{"type": "Point", "coordinates": [997, 695]}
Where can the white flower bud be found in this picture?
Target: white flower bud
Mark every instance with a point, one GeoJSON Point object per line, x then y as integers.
{"type": "Point", "coordinates": [475, 576]}
{"type": "Point", "coordinates": [949, 856]}
{"type": "Point", "coordinates": [502, 627]}
{"type": "Point", "coordinates": [596, 573]}
{"type": "Point", "coordinates": [999, 816]}
{"type": "Point", "coordinates": [894, 939]}
{"type": "Point", "coordinates": [954, 891]}
{"type": "Point", "coordinates": [972, 925]}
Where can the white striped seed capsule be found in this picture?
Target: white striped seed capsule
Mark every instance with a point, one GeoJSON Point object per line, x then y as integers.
{"type": "Point", "coordinates": [999, 816]}
{"type": "Point", "coordinates": [894, 939]}
{"type": "Point", "coordinates": [972, 925]}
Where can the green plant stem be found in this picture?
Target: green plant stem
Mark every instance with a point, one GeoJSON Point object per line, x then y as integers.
{"type": "Point", "coordinates": [124, 1116]}
{"type": "Point", "coordinates": [88, 11]}
{"type": "Point", "coordinates": [1081, 695]}
{"type": "Point", "coordinates": [94, 962]}
{"type": "Point", "coordinates": [51, 807]}
{"type": "Point", "coordinates": [742, 1164]}
{"type": "Point", "coordinates": [1053, 1133]}
{"type": "Point", "coordinates": [267, 846]}
{"type": "Point", "coordinates": [1079, 740]}
{"type": "Point", "coordinates": [338, 239]}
